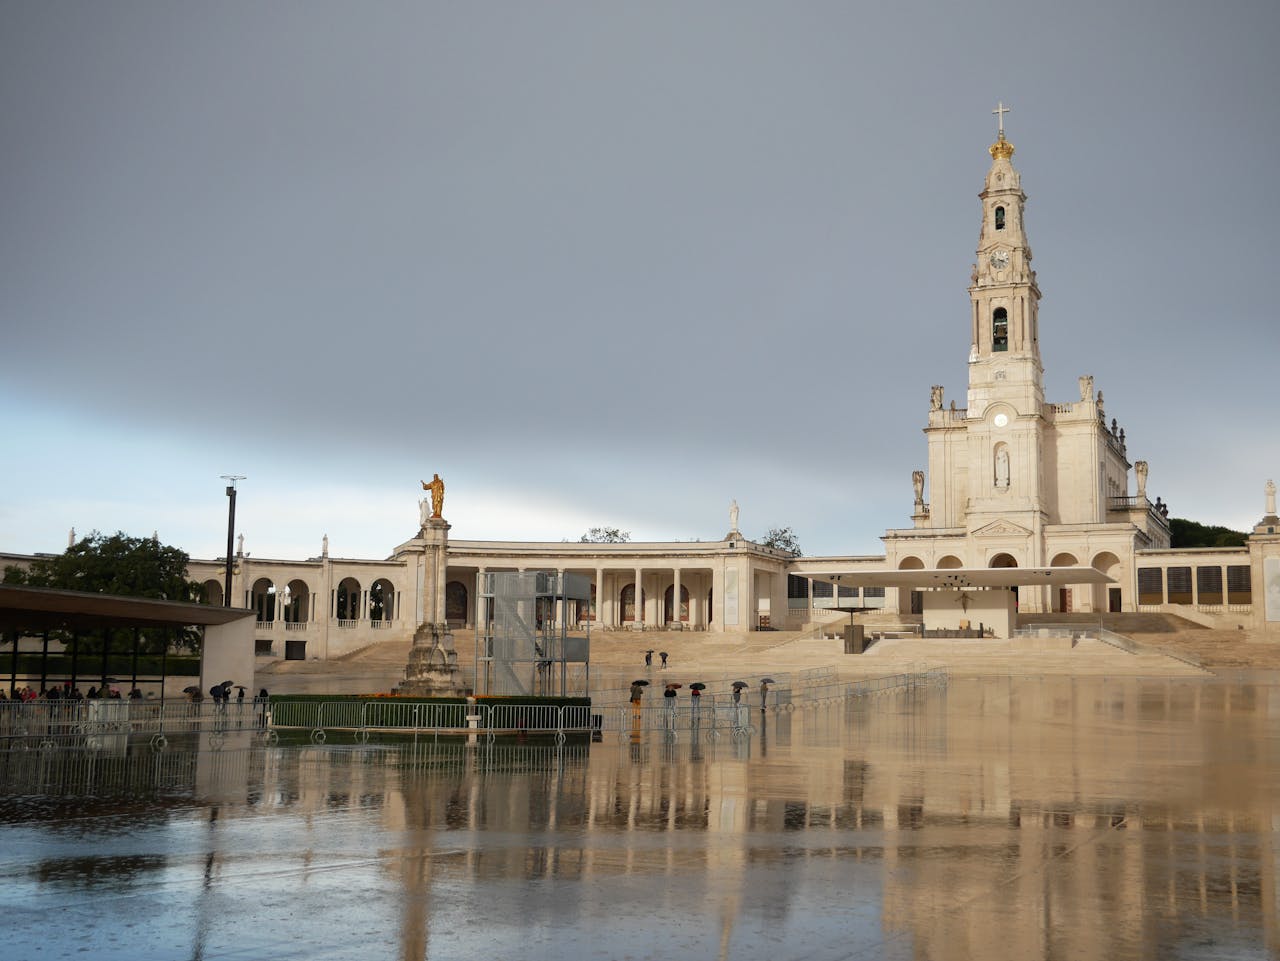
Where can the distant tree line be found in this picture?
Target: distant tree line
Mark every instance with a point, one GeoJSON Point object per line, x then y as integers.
{"type": "Point", "coordinates": [1185, 533]}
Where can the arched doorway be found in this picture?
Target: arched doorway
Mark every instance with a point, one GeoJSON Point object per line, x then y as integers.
{"type": "Point", "coordinates": [455, 602]}
{"type": "Point", "coordinates": [1110, 595]}
{"type": "Point", "coordinates": [348, 600]}
{"type": "Point", "coordinates": [913, 601]}
{"type": "Point", "coordinates": [382, 602]}
{"type": "Point", "coordinates": [627, 602]}
{"type": "Point", "coordinates": [950, 563]}
{"type": "Point", "coordinates": [1005, 559]}
{"type": "Point", "coordinates": [1065, 600]}
{"type": "Point", "coordinates": [264, 600]}
{"type": "Point", "coordinates": [212, 593]}
{"type": "Point", "coordinates": [295, 603]}
{"type": "Point", "coordinates": [668, 614]}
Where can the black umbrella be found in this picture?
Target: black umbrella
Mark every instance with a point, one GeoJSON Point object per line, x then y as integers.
{"type": "Point", "coordinates": [740, 684]}
{"type": "Point", "coordinates": [650, 651]}
{"type": "Point", "coordinates": [767, 680]}
{"type": "Point", "coordinates": [662, 654]}
{"type": "Point", "coordinates": [674, 686]}
{"type": "Point", "coordinates": [642, 682]}
{"type": "Point", "coordinates": [697, 686]}
{"type": "Point", "coordinates": [239, 687]}
{"type": "Point", "coordinates": [191, 690]}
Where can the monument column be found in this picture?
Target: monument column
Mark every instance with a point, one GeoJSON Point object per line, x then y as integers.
{"type": "Point", "coordinates": [433, 663]}
{"type": "Point", "coordinates": [599, 611]}
{"type": "Point", "coordinates": [675, 598]}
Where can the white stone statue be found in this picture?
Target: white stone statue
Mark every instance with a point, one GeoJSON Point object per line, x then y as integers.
{"type": "Point", "coordinates": [240, 544]}
{"type": "Point", "coordinates": [1002, 467]}
{"type": "Point", "coordinates": [324, 546]}
{"type": "Point", "coordinates": [1271, 497]}
{"type": "Point", "coordinates": [733, 515]}
{"type": "Point", "coordinates": [917, 484]}
{"type": "Point", "coordinates": [935, 397]}
{"type": "Point", "coordinates": [1086, 387]}
{"type": "Point", "coordinates": [1140, 472]}
{"type": "Point", "coordinates": [71, 539]}
{"type": "Point", "coordinates": [424, 511]}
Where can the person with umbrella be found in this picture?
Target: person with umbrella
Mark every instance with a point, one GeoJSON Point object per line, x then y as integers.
{"type": "Point", "coordinates": [670, 695]}
{"type": "Point", "coordinates": [738, 709]}
{"type": "Point", "coordinates": [663, 655]}
{"type": "Point", "coordinates": [637, 692]}
{"type": "Point", "coordinates": [695, 694]}
{"type": "Point", "coordinates": [764, 692]}
{"type": "Point", "coordinates": [648, 658]}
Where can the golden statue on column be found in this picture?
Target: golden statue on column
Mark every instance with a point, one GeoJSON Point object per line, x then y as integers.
{"type": "Point", "coordinates": [436, 486]}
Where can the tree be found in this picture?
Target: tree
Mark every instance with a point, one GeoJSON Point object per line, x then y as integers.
{"type": "Point", "coordinates": [1185, 533]}
{"type": "Point", "coordinates": [116, 564]}
{"type": "Point", "coordinates": [605, 535]}
{"type": "Point", "coordinates": [783, 539]}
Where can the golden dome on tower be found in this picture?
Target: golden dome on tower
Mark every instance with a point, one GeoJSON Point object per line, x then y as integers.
{"type": "Point", "coordinates": [1001, 149]}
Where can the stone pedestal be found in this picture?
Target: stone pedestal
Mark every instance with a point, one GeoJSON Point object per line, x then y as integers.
{"type": "Point", "coordinates": [432, 670]}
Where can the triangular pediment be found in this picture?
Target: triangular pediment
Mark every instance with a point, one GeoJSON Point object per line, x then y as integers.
{"type": "Point", "coordinates": [1002, 528]}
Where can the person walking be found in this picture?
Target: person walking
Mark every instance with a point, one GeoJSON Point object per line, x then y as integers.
{"type": "Point", "coordinates": [663, 655]}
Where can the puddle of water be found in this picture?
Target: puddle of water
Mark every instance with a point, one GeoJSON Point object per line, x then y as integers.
{"type": "Point", "coordinates": [1006, 818]}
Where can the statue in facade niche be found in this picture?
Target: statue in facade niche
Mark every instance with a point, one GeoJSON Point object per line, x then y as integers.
{"type": "Point", "coordinates": [935, 397]}
{"type": "Point", "coordinates": [1002, 467]}
{"type": "Point", "coordinates": [436, 487]}
{"type": "Point", "coordinates": [1086, 387]}
{"type": "Point", "coordinates": [1140, 472]}
{"type": "Point", "coordinates": [917, 484]}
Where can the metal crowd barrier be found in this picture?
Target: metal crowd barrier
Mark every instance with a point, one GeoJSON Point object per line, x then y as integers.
{"type": "Point", "coordinates": [99, 724]}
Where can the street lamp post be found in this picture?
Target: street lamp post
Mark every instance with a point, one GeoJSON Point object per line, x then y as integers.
{"type": "Point", "coordinates": [231, 529]}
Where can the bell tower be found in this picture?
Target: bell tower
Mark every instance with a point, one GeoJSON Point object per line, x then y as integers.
{"type": "Point", "coordinates": [1004, 347]}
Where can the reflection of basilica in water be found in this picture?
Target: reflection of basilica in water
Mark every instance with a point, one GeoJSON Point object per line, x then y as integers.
{"type": "Point", "coordinates": [1016, 817]}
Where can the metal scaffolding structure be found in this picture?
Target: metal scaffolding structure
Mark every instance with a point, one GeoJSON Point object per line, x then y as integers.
{"type": "Point", "coordinates": [523, 644]}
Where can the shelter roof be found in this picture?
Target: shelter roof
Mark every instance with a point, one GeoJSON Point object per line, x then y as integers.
{"type": "Point", "coordinates": [40, 608]}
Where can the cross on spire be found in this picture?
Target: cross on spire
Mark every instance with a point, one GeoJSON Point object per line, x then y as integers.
{"type": "Point", "coordinates": [1000, 111]}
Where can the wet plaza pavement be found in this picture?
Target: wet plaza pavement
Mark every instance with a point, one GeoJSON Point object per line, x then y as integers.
{"type": "Point", "coordinates": [1028, 818]}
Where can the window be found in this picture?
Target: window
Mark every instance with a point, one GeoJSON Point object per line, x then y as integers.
{"type": "Point", "coordinates": [999, 218]}
{"type": "Point", "coordinates": [797, 586]}
{"type": "Point", "coordinates": [843, 591]}
{"type": "Point", "coordinates": [1239, 585]}
{"type": "Point", "coordinates": [1150, 585]}
{"type": "Point", "coordinates": [1209, 585]}
{"type": "Point", "coordinates": [1179, 585]}
{"type": "Point", "coordinates": [1000, 330]}
{"type": "Point", "coordinates": [823, 589]}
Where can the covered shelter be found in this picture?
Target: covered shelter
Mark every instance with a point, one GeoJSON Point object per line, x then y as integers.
{"type": "Point", "coordinates": [227, 651]}
{"type": "Point", "coordinates": [961, 598]}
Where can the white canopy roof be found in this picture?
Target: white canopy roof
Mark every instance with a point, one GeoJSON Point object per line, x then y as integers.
{"type": "Point", "coordinates": [961, 578]}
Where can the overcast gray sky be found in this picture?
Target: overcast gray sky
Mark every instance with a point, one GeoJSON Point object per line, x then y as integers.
{"type": "Point", "coordinates": [602, 263]}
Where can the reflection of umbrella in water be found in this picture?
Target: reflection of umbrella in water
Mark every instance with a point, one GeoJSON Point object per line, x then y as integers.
{"type": "Point", "coordinates": [767, 680]}
{"type": "Point", "coordinates": [697, 686]}
{"type": "Point", "coordinates": [739, 684]}
{"type": "Point", "coordinates": [642, 682]}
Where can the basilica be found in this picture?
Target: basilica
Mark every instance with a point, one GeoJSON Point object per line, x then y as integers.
{"type": "Point", "coordinates": [1025, 505]}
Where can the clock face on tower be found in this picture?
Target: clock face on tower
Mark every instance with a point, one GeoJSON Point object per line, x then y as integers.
{"type": "Point", "coordinates": [1000, 259]}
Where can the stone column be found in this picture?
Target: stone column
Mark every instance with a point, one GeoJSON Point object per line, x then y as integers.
{"type": "Point", "coordinates": [675, 598]}
{"type": "Point", "coordinates": [599, 621]}
{"type": "Point", "coordinates": [638, 623]}
{"type": "Point", "coordinates": [561, 605]}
